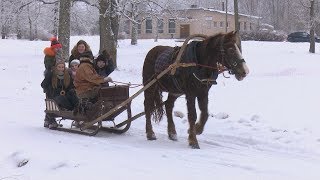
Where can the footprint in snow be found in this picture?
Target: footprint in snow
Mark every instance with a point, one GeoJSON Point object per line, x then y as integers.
{"type": "Point", "coordinates": [243, 121]}
{"type": "Point", "coordinates": [178, 114]}
{"type": "Point", "coordinates": [59, 165]}
{"type": "Point", "coordinates": [255, 118]}
{"type": "Point", "coordinates": [19, 159]}
{"type": "Point", "coordinates": [277, 130]}
{"type": "Point", "coordinates": [221, 115]}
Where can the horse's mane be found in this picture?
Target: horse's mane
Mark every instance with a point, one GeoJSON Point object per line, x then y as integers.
{"type": "Point", "coordinates": [216, 39]}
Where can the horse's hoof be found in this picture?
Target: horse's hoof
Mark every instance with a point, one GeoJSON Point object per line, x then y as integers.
{"type": "Point", "coordinates": [151, 137]}
{"type": "Point", "coordinates": [173, 137]}
{"type": "Point", "coordinates": [194, 146]}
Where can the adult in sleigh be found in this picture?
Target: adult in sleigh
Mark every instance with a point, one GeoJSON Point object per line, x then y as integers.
{"type": "Point", "coordinates": [58, 86]}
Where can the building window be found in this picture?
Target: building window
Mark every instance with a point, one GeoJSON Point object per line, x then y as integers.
{"type": "Point", "coordinates": [245, 25]}
{"type": "Point", "coordinates": [251, 27]}
{"type": "Point", "coordinates": [139, 26]}
{"type": "Point", "coordinates": [228, 24]}
{"type": "Point", "coordinates": [208, 21]}
{"type": "Point", "coordinates": [160, 25]}
{"type": "Point", "coordinates": [221, 24]}
{"type": "Point", "coordinates": [148, 25]}
{"type": "Point", "coordinates": [239, 25]}
{"type": "Point", "coordinates": [172, 26]}
{"type": "Point", "coordinates": [215, 24]}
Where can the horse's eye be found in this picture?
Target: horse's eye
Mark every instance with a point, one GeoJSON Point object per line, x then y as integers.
{"type": "Point", "coordinates": [231, 51]}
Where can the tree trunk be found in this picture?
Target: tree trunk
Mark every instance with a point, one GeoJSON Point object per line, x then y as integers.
{"type": "Point", "coordinates": [134, 28]}
{"type": "Point", "coordinates": [3, 33]}
{"type": "Point", "coordinates": [55, 19]}
{"type": "Point", "coordinates": [236, 20]}
{"type": "Point", "coordinates": [30, 25]}
{"type": "Point", "coordinates": [64, 27]}
{"type": "Point", "coordinates": [312, 24]}
{"type": "Point", "coordinates": [134, 33]}
{"type": "Point", "coordinates": [18, 27]}
{"type": "Point", "coordinates": [103, 25]}
{"type": "Point", "coordinates": [109, 25]}
{"type": "Point", "coordinates": [114, 17]}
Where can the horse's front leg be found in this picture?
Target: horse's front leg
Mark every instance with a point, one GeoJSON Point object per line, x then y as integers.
{"type": "Point", "coordinates": [172, 134]}
{"type": "Point", "coordinates": [203, 106]}
{"type": "Point", "coordinates": [192, 117]}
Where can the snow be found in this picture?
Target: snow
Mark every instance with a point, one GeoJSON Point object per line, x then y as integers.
{"type": "Point", "coordinates": [264, 127]}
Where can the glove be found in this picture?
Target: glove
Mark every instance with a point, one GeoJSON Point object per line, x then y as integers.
{"type": "Point", "coordinates": [107, 79]}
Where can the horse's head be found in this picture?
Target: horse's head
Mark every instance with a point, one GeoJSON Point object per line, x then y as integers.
{"type": "Point", "coordinates": [225, 49]}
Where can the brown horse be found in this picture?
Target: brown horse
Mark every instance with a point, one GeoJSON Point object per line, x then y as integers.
{"type": "Point", "coordinates": [216, 51]}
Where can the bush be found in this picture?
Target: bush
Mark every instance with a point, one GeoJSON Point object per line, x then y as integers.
{"type": "Point", "coordinates": [263, 35]}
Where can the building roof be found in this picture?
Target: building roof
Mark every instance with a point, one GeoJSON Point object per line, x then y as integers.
{"type": "Point", "coordinates": [222, 12]}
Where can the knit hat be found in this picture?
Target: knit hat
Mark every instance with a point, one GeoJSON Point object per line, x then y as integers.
{"type": "Point", "coordinates": [101, 58]}
{"type": "Point", "coordinates": [75, 61]}
{"type": "Point", "coordinates": [86, 55]}
{"type": "Point", "coordinates": [55, 43]}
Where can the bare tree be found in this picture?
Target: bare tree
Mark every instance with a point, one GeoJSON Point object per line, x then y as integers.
{"type": "Point", "coordinates": [64, 27]}
{"type": "Point", "coordinates": [108, 21]}
{"type": "Point", "coordinates": [312, 25]}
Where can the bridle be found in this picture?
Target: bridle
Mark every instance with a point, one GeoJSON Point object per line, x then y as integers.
{"type": "Point", "coordinates": [230, 64]}
{"type": "Point", "coordinates": [223, 64]}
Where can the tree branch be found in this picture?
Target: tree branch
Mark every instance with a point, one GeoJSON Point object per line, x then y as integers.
{"type": "Point", "coordinates": [87, 2]}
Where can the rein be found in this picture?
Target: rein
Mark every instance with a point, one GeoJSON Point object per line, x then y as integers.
{"type": "Point", "coordinates": [127, 84]}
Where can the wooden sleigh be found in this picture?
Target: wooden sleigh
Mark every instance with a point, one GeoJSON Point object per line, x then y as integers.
{"type": "Point", "coordinates": [109, 97]}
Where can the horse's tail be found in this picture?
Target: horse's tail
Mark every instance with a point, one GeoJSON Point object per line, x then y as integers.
{"type": "Point", "coordinates": [157, 104]}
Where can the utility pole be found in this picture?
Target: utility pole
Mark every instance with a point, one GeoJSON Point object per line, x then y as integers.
{"type": "Point", "coordinates": [236, 21]}
{"type": "Point", "coordinates": [226, 16]}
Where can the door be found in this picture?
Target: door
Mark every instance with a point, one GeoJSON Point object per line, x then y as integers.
{"type": "Point", "coordinates": [184, 31]}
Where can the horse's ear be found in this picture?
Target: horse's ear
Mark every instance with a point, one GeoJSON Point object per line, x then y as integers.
{"type": "Point", "coordinates": [231, 36]}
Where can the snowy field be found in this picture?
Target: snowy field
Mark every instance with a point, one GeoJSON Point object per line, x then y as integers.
{"type": "Point", "coordinates": [264, 127]}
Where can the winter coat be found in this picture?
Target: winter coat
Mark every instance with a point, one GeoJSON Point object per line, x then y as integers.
{"type": "Point", "coordinates": [53, 86]}
{"type": "Point", "coordinates": [86, 77]}
{"type": "Point", "coordinates": [76, 55]}
{"type": "Point", "coordinates": [105, 71]}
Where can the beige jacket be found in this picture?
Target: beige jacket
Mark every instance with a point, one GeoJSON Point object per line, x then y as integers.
{"type": "Point", "coordinates": [86, 77]}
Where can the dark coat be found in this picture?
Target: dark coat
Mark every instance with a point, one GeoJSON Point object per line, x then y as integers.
{"type": "Point", "coordinates": [67, 101]}
{"type": "Point", "coordinates": [77, 56]}
{"type": "Point", "coordinates": [109, 68]}
{"type": "Point", "coordinates": [105, 71]}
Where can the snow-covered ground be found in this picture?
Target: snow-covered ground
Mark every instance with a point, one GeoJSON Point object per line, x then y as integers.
{"type": "Point", "coordinates": [265, 127]}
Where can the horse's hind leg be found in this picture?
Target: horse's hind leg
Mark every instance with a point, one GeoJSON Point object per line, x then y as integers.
{"type": "Point", "coordinates": [148, 109]}
{"type": "Point", "coordinates": [172, 134]}
{"type": "Point", "coordinates": [192, 117]}
{"type": "Point", "coordinates": [203, 106]}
